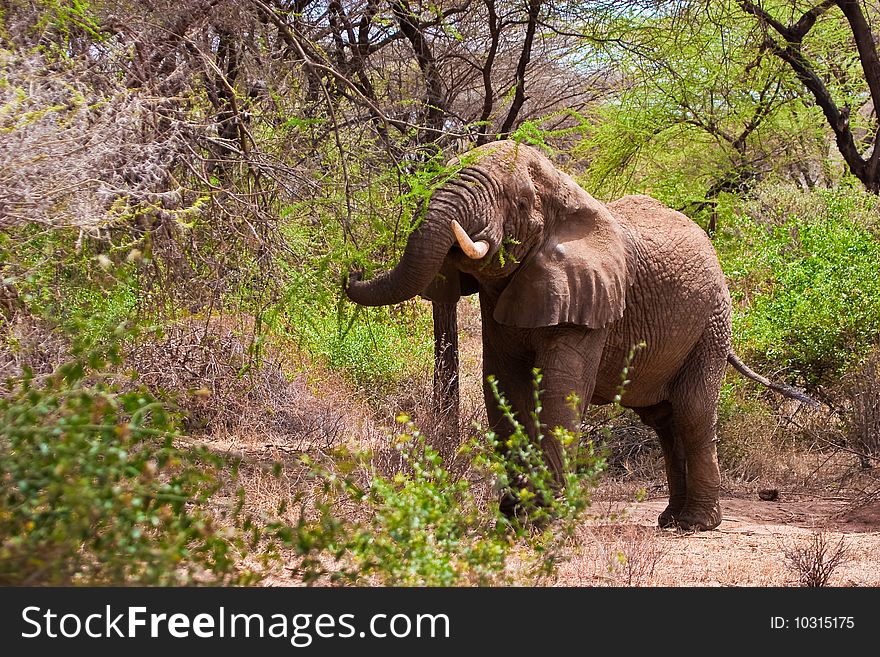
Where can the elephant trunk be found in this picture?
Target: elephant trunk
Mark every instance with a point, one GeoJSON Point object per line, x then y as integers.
{"type": "Point", "coordinates": [466, 199]}
{"type": "Point", "coordinates": [422, 258]}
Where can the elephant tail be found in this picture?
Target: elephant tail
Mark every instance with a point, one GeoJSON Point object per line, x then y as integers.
{"type": "Point", "coordinates": [781, 388]}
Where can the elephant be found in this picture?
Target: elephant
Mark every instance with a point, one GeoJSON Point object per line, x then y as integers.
{"type": "Point", "coordinates": [568, 285]}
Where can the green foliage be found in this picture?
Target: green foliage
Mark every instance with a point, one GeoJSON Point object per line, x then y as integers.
{"type": "Point", "coordinates": [95, 492]}
{"type": "Point", "coordinates": [374, 347]}
{"type": "Point", "coordinates": [543, 131]}
{"type": "Point", "coordinates": [804, 280]}
{"type": "Point", "coordinates": [424, 526]}
{"type": "Point", "coordinates": [703, 109]}
{"type": "Point", "coordinates": [85, 293]}
{"type": "Point", "coordinates": [427, 529]}
{"type": "Point", "coordinates": [71, 18]}
{"type": "Point", "coordinates": [430, 537]}
{"type": "Point", "coordinates": [381, 349]}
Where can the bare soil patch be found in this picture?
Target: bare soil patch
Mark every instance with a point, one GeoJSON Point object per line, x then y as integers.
{"type": "Point", "coordinates": [747, 549]}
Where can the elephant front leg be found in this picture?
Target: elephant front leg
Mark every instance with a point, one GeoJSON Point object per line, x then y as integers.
{"type": "Point", "coordinates": [568, 360]}
{"type": "Point", "coordinates": [511, 374]}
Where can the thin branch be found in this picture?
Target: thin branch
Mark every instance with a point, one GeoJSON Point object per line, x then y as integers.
{"type": "Point", "coordinates": [434, 102]}
{"type": "Point", "coordinates": [805, 23]}
{"type": "Point", "coordinates": [494, 25]}
{"type": "Point", "coordinates": [791, 53]}
{"type": "Point", "coordinates": [519, 96]}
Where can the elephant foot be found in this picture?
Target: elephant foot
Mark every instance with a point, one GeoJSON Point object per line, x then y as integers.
{"type": "Point", "coordinates": [667, 518]}
{"type": "Point", "coordinates": [508, 505]}
{"type": "Point", "coordinates": [536, 515]}
{"type": "Point", "coordinates": [672, 511]}
{"type": "Point", "coordinates": [692, 517]}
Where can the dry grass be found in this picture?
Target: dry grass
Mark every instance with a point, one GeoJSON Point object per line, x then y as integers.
{"type": "Point", "coordinates": [814, 560]}
{"type": "Point", "coordinates": [225, 392]}
{"type": "Point", "coordinates": [861, 410]}
{"type": "Point", "coordinates": [29, 343]}
{"type": "Point", "coordinates": [626, 554]}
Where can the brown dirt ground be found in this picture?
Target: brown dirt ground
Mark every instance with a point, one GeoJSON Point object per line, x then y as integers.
{"type": "Point", "coordinates": [749, 548]}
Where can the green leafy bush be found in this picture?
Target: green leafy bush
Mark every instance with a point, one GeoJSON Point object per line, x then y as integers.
{"type": "Point", "coordinates": [85, 294]}
{"type": "Point", "coordinates": [95, 492]}
{"type": "Point", "coordinates": [427, 529]}
{"type": "Point", "coordinates": [425, 526]}
{"type": "Point", "coordinates": [420, 526]}
{"type": "Point", "coordinates": [377, 349]}
{"type": "Point", "coordinates": [803, 270]}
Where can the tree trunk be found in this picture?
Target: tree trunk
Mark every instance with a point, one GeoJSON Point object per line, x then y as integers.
{"type": "Point", "coordinates": [446, 389]}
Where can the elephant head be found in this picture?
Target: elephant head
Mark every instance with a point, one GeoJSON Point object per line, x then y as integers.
{"type": "Point", "coordinates": [512, 223]}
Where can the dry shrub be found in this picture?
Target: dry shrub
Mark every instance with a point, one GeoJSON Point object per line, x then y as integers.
{"type": "Point", "coordinates": [618, 554]}
{"type": "Point", "coordinates": [89, 121]}
{"type": "Point", "coordinates": [814, 560]}
{"type": "Point", "coordinates": [761, 446]}
{"type": "Point", "coordinates": [861, 409]}
{"type": "Point", "coordinates": [748, 446]}
{"type": "Point", "coordinates": [633, 448]}
{"type": "Point", "coordinates": [413, 397]}
{"type": "Point", "coordinates": [224, 389]}
{"type": "Point", "coordinates": [27, 342]}
{"type": "Point", "coordinates": [117, 153]}
{"type": "Point", "coordinates": [632, 555]}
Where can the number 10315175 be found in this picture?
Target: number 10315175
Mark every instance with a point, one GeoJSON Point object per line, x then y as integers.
{"type": "Point", "coordinates": [813, 622]}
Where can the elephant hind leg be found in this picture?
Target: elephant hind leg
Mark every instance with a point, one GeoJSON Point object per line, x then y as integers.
{"type": "Point", "coordinates": [694, 413]}
{"type": "Point", "coordinates": [702, 508]}
{"type": "Point", "coordinates": [660, 418]}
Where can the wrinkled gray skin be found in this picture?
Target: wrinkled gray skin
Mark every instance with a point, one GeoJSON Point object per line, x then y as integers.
{"type": "Point", "coordinates": [580, 284]}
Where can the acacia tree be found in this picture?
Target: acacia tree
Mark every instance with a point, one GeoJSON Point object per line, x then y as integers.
{"type": "Point", "coordinates": [703, 107]}
{"type": "Point", "coordinates": [714, 96]}
{"type": "Point", "coordinates": [785, 30]}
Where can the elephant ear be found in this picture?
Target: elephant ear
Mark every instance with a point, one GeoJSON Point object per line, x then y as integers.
{"type": "Point", "coordinates": [578, 275]}
{"type": "Point", "coordinates": [449, 285]}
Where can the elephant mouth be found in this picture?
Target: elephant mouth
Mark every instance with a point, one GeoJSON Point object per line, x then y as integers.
{"type": "Point", "coordinates": [488, 265]}
{"type": "Point", "coordinates": [471, 248]}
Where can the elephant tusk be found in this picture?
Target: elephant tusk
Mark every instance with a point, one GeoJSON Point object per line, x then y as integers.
{"type": "Point", "coordinates": [473, 250]}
